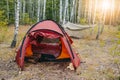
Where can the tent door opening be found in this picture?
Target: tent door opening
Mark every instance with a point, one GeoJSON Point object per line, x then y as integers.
{"type": "Point", "coordinates": [44, 49]}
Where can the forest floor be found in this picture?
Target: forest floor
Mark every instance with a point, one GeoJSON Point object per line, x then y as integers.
{"type": "Point", "coordinates": [98, 59]}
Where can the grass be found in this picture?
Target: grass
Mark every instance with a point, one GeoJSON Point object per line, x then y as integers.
{"type": "Point", "coordinates": [108, 45]}
{"type": "Point", "coordinates": [3, 34]}
{"type": "Point", "coordinates": [7, 33]}
{"type": "Point", "coordinates": [102, 43]}
{"type": "Point", "coordinates": [115, 53]}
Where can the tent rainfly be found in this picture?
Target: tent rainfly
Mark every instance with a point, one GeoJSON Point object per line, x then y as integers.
{"type": "Point", "coordinates": [47, 38]}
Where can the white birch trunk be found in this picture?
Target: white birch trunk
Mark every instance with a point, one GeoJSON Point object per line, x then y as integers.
{"type": "Point", "coordinates": [8, 10]}
{"type": "Point", "coordinates": [30, 8]}
{"type": "Point", "coordinates": [98, 33]}
{"type": "Point", "coordinates": [89, 13]}
{"type": "Point", "coordinates": [38, 11]}
{"type": "Point", "coordinates": [85, 11]}
{"type": "Point", "coordinates": [44, 9]}
{"type": "Point", "coordinates": [94, 16]}
{"type": "Point", "coordinates": [103, 19]}
{"type": "Point", "coordinates": [60, 11]}
{"type": "Point", "coordinates": [54, 5]}
{"type": "Point", "coordinates": [53, 9]}
{"type": "Point", "coordinates": [75, 16]}
{"type": "Point", "coordinates": [79, 11]}
{"type": "Point", "coordinates": [72, 11]}
{"type": "Point", "coordinates": [66, 6]}
{"type": "Point", "coordinates": [41, 9]}
{"type": "Point", "coordinates": [118, 12]}
{"type": "Point", "coordinates": [111, 12]}
{"type": "Point", "coordinates": [17, 9]}
{"type": "Point", "coordinates": [33, 10]}
{"type": "Point", "coordinates": [23, 9]}
{"type": "Point", "coordinates": [67, 13]}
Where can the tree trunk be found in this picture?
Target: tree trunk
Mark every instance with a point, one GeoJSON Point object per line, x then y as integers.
{"type": "Point", "coordinates": [111, 13]}
{"type": "Point", "coordinates": [41, 9]}
{"type": "Point", "coordinates": [24, 4]}
{"type": "Point", "coordinates": [72, 11]}
{"type": "Point", "coordinates": [61, 11]}
{"type": "Point", "coordinates": [55, 10]}
{"type": "Point", "coordinates": [17, 7]}
{"type": "Point", "coordinates": [86, 10]}
{"type": "Point", "coordinates": [89, 13]}
{"type": "Point", "coordinates": [99, 25]}
{"type": "Point", "coordinates": [79, 11]}
{"type": "Point", "coordinates": [103, 21]}
{"type": "Point", "coordinates": [66, 6]}
{"type": "Point", "coordinates": [44, 9]}
{"type": "Point", "coordinates": [8, 10]}
{"type": "Point", "coordinates": [38, 11]}
{"type": "Point", "coordinates": [98, 33]}
{"type": "Point", "coordinates": [94, 17]}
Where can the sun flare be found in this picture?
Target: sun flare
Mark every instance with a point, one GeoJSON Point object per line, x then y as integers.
{"type": "Point", "coordinates": [106, 4]}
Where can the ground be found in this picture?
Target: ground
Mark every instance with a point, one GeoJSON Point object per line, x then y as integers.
{"type": "Point", "coordinates": [97, 60]}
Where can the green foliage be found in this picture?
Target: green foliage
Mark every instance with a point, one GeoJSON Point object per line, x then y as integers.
{"type": "Point", "coordinates": [118, 34]}
{"type": "Point", "coordinates": [52, 10]}
{"type": "Point", "coordinates": [26, 19]}
{"type": "Point", "coordinates": [8, 11]}
{"type": "Point", "coordinates": [29, 8]}
{"type": "Point", "coordinates": [83, 21]}
{"type": "Point", "coordinates": [3, 20]}
{"type": "Point", "coordinates": [119, 28]}
{"type": "Point", "coordinates": [3, 26]}
{"type": "Point", "coordinates": [115, 51]}
{"type": "Point", "coordinates": [118, 41]}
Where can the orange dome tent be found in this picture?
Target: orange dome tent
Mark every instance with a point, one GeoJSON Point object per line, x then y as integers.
{"type": "Point", "coordinates": [55, 41]}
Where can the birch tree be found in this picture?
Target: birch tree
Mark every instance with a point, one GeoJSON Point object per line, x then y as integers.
{"type": "Point", "coordinates": [60, 12]}
{"type": "Point", "coordinates": [111, 12]}
{"type": "Point", "coordinates": [44, 9]}
{"type": "Point", "coordinates": [118, 13]}
{"type": "Point", "coordinates": [89, 13]}
{"type": "Point", "coordinates": [41, 9]}
{"type": "Point", "coordinates": [55, 11]}
{"type": "Point", "coordinates": [79, 10]}
{"type": "Point", "coordinates": [73, 11]}
{"type": "Point", "coordinates": [65, 11]}
{"type": "Point", "coordinates": [103, 18]}
{"type": "Point", "coordinates": [38, 11]}
{"type": "Point", "coordinates": [85, 11]}
{"type": "Point", "coordinates": [76, 8]}
{"type": "Point", "coordinates": [30, 8]}
{"type": "Point", "coordinates": [98, 33]}
{"type": "Point", "coordinates": [24, 4]}
{"type": "Point", "coordinates": [17, 8]}
{"type": "Point", "coordinates": [8, 9]}
{"type": "Point", "coordinates": [94, 16]}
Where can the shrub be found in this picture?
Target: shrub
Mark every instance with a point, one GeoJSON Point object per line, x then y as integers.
{"type": "Point", "coordinates": [3, 26]}
{"type": "Point", "coordinates": [26, 19]}
{"type": "Point", "coordinates": [83, 21]}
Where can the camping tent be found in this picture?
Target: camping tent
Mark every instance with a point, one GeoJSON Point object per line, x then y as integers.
{"type": "Point", "coordinates": [47, 37]}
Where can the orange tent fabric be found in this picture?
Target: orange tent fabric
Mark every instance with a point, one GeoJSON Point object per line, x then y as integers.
{"type": "Point", "coordinates": [48, 29]}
